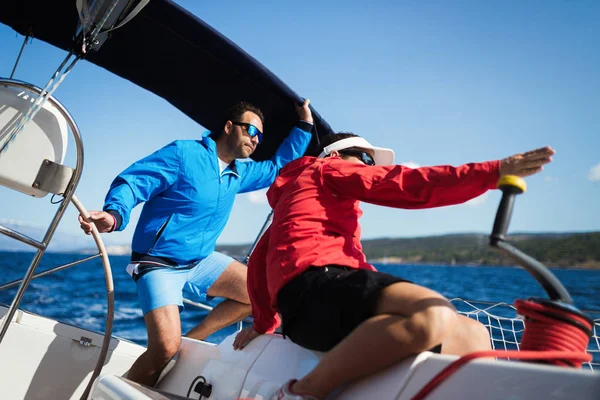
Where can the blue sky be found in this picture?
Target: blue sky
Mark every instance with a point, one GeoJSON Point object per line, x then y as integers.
{"type": "Point", "coordinates": [439, 82]}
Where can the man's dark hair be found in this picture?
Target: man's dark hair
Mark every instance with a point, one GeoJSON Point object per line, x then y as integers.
{"type": "Point", "coordinates": [235, 112]}
{"type": "Point", "coordinates": [238, 109]}
{"type": "Point", "coordinates": [332, 138]}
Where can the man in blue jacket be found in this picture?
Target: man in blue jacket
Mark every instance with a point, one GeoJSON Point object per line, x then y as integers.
{"type": "Point", "coordinates": [188, 188]}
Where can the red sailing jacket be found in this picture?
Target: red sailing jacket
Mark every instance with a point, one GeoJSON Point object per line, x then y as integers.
{"type": "Point", "coordinates": [316, 211]}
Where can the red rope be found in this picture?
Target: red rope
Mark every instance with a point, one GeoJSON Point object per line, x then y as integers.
{"type": "Point", "coordinates": [549, 328]}
{"type": "Point", "coordinates": [552, 335]}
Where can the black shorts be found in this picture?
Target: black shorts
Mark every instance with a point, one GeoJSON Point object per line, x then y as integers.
{"type": "Point", "coordinates": [323, 305]}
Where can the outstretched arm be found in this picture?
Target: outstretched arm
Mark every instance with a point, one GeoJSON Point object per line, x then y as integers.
{"type": "Point", "coordinates": [142, 181]}
{"type": "Point", "coordinates": [527, 164]}
{"type": "Point", "coordinates": [402, 187]}
{"type": "Point", "coordinates": [259, 175]}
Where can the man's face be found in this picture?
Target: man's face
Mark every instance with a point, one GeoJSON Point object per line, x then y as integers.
{"type": "Point", "coordinates": [240, 143]}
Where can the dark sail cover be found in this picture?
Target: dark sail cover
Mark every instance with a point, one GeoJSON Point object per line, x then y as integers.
{"type": "Point", "coordinates": [172, 53]}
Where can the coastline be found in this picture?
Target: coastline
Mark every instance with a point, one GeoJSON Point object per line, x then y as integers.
{"type": "Point", "coordinates": [588, 265]}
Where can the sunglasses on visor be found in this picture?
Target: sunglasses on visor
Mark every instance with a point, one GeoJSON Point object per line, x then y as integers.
{"type": "Point", "coordinates": [251, 130]}
{"type": "Point", "coordinates": [365, 157]}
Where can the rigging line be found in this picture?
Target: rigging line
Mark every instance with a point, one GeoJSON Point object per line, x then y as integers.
{"type": "Point", "coordinates": [133, 13]}
{"type": "Point", "coordinates": [98, 28]}
{"type": "Point", "coordinates": [83, 9]}
{"type": "Point", "coordinates": [260, 234]}
{"type": "Point", "coordinates": [29, 34]}
{"type": "Point", "coordinates": [57, 79]}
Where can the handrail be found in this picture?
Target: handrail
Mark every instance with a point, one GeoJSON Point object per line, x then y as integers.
{"type": "Point", "coordinates": [21, 238]}
{"type": "Point", "coordinates": [110, 297]}
{"type": "Point", "coordinates": [68, 197]}
{"type": "Point", "coordinates": [70, 190]}
{"type": "Point", "coordinates": [12, 284]}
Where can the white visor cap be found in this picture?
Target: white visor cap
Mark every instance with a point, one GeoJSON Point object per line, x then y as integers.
{"type": "Point", "coordinates": [381, 155]}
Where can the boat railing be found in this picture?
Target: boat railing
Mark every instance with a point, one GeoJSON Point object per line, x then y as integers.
{"type": "Point", "coordinates": [240, 324]}
{"type": "Point", "coordinates": [39, 183]}
{"type": "Point", "coordinates": [33, 154]}
{"type": "Point", "coordinates": [506, 327]}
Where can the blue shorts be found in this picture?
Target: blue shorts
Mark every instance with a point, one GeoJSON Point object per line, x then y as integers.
{"type": "Point", "coordinates": [165, 286]}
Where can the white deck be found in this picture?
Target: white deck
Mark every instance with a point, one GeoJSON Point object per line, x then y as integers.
{"type": "Point", "coordinates": [269, 361]}
{"type": "Point", "coordinates": [47, 361]}
{"type": "Point", "coordinates": [43, 359]}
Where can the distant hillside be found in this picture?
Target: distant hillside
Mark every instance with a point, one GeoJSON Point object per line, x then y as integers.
{"type": "Point", "coordinates": [61, 242]}
{"type": "Point", "coordinates": [574, 250]}
{"type": "Point", "coordinates": [567, 250]}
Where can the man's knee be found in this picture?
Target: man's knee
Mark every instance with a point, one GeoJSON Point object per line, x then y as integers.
{"type": "Point", "coordinates": [164, 350]}
{"type": "Point", "coordinates": [164, 333]}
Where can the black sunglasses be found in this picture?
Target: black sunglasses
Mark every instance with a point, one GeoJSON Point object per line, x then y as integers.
{"type": "Point", "coordinates": [365, 157]}
{"type": "Point", "coordinates": [250, 129]}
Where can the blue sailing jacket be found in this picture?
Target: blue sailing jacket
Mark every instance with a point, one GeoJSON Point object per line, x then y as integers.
{"type": "Point", "coordinates": [187, 199]}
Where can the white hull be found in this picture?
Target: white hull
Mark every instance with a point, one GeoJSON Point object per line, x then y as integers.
{"type": "Point", "coordinates": [44, 359]}
{"type": "Point", "coordinates": [48, 361]}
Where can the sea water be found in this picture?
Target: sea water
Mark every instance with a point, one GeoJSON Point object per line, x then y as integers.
{"type": "Point", "coordinates": [77, 295]}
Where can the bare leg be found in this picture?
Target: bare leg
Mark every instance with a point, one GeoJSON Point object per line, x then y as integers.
{"type": "Point", "coordinates": [467, 336]}
{"type": "Point", "coordinates": [226, 313]}
{"type": "Point", "coordinates": [409, 319]}
{"type": "Point", "coordinates": [164, 337]}
{"type": "Point", "coordinates": [231, 284]}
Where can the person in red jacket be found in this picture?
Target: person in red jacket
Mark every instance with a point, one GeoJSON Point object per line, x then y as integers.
{"type": "Point", "coordinates": [309, 266]}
